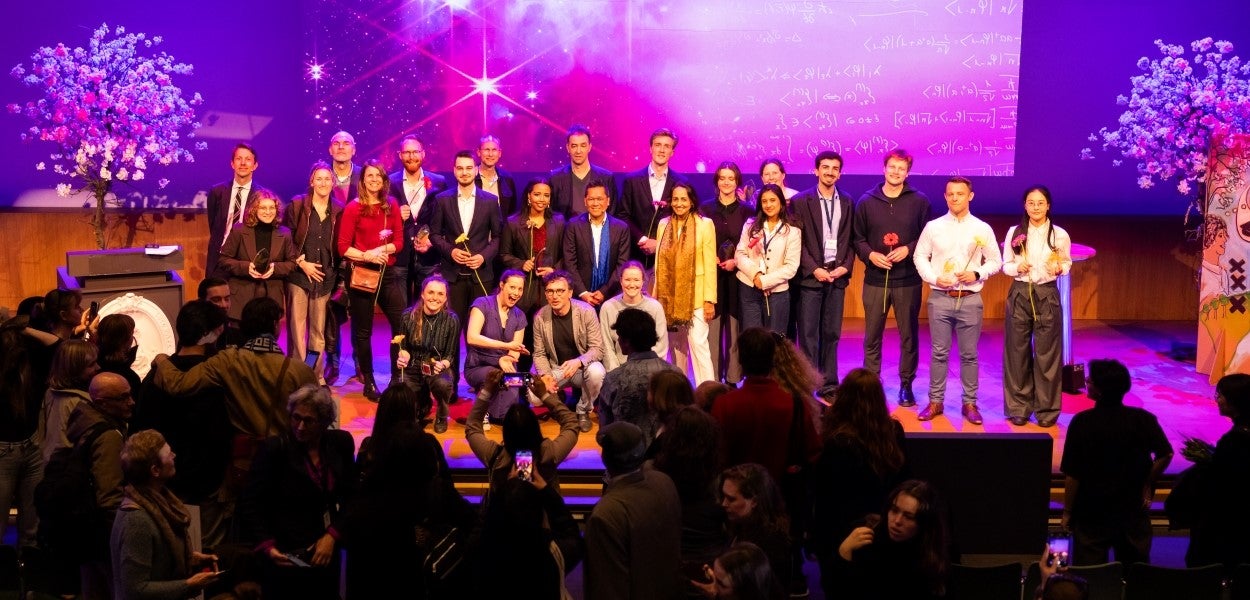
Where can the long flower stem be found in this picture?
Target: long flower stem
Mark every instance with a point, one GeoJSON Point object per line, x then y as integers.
{"type": "Point", "coordinates": [475, 274]}
{"type": "Point", "coordinates": [885, 298]}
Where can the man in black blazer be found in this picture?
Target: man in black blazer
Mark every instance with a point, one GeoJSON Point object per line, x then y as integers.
{"type": "Point", "coordinates": [493, 179]}
{"type": "Point", "coordinates": [415, 189]}
{"type": "Point", "coordinates": [580, 250]}
{"type": "Point", "coordinates": [825, 263]}
{"type": "Point", "coordinates": [469, 272]}
{"type": "Point", "coordinates": [568, 183]}
{"type": "Point", "coordinates": [642, 189]}
{"type": "Point", "coordinates": [228, 200]}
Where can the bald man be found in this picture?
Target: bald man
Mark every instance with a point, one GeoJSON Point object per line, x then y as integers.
{"type": "Point", "coordinates": [102, 423]}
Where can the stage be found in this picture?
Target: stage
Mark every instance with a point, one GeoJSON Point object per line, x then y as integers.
{"type": "Point", "coordinates": [1180, 397]}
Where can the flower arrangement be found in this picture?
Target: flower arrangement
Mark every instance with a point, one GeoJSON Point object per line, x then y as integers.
{"type": "Point", "coordinates": [1180, 111]}
{"type": "Point", "coordinates": [112, 113]}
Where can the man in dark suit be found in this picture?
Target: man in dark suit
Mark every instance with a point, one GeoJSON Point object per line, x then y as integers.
{"type": "Point", "coordinates": [468, 266]}
{"type": "Point", "coordinates": [227, 201]}
{"type": "Point", "coordinates": [568, 183]}
{"type": "Point", "coordinates": [824, 213]}
{"type": "Point", "coordinates": [346, 172]}
{"type": "Point", "coordinates": [593, 262]}
{"type": "Point", "coordinates": [643, 189]}
{"type": "Point", "coordinates": [493, 179]}
{"type": "Point", "coordinates": [415, 189]}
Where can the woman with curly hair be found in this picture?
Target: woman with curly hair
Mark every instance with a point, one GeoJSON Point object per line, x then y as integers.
{"type": "Point", "coordinates": [861, 462]}
{"type": "Point", "coordinates": [258, 255]}
{"type": "Point", "coordinates": [756, 513]}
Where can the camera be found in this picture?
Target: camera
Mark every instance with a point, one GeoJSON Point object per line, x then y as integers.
{"type": "Point", "coordinates": [516, 380]}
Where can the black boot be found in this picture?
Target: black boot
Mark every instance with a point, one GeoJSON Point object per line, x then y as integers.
{"type": "Point", "coordinates": [332, 368]}
{"type": "Point", "coordinates": [371, 388]}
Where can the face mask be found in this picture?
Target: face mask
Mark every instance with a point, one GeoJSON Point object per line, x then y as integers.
{"type": "Point", "coordinates": [132, 354]}
{"type": "Point", "coordinates": [209, 339]}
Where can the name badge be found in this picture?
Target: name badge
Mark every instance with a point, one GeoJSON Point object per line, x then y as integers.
{"type": "Point", "coordinates": [831, 244]}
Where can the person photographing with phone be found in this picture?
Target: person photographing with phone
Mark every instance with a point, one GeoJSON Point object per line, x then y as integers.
{"type": "Point", "coordinates": [522, 439]}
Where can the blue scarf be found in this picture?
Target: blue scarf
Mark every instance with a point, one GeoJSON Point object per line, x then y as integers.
{"type": "Point", "coordinates": [599, 276]}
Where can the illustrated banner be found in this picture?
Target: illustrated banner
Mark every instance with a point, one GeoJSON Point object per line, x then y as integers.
{"type": "Point", "coordinates": [1224, 293]}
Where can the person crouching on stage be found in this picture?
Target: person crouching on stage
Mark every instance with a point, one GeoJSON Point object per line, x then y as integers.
{"type": "Point", "coordinates": [495, 340]}
{"type": "Point", "coordinates": [430, 346]}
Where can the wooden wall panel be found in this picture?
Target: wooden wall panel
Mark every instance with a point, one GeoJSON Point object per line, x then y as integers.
{"type": "Point", "coordinates": [1144, 269]}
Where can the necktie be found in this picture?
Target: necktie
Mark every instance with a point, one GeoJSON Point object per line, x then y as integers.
{"type": "Point", "coordinates": [236, 213]}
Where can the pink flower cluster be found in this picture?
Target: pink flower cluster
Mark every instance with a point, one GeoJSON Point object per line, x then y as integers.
{"type": "Point", "coordinates": [112, 112]}
{"type": "Point", "coordinates": [1179, 111]}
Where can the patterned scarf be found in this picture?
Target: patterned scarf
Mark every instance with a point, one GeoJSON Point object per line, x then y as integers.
{"type": "Point", "coordinates": [674, 271]}
{"type": "Point", "coordinates": [171, 519]}
{"type": "Point", "coordinates": [599, 276]}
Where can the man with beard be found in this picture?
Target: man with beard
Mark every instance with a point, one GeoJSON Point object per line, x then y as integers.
{"type": "Point", "coordinates": [466, 229]}
{"type": "Point", "coordinates": [415, 189]}
{"type": "Point", "coordinates": [568, 345]}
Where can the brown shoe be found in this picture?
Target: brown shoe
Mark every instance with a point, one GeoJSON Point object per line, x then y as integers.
{"type": "Point", "coordinates": [932, 410]}
{"type": "Point", "coordinates": [971, 414]}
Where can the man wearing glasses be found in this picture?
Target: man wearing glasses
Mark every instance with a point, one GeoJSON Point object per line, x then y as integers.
{"type": "Point", "coordinates": [568, 345]}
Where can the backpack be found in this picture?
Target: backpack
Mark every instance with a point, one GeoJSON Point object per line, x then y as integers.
{"type": "Point", "coordinates": [71, 522]}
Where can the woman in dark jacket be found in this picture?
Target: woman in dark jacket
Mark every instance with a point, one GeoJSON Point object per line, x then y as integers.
{"type": "Point", "coordinates": [861, 462]}
{"type": "Point", "coordinates": [293, 502]}
{"type": "Point", "coordinates": [312, 218]}
{"type": "Point", "coordinates": [530, 537]}
{"type": "Point", "coordinates": [258, 239]}
{"type": "Point", "coordinates": [531, 242]}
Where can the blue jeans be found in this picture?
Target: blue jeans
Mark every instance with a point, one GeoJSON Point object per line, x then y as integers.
{"type": "Point", "coordinates": [771, 312]}
{"type": "Point", "coordinates": [963, 317]}
{"type": "Point", "coordinates": [21, 469]}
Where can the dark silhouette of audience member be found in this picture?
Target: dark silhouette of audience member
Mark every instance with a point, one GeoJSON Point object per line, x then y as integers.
{"type": "Point", "coordinates": [1111, 459]}
{"type": "Point", "coordinates": [633, 535]}
{"type": "Point", "coordinates": [668, 392]}
{"type": "Point", "coordinates": [402, 490]}
{"type": "Point", "coordinates": [1221, 526]}
{"type": "Point", "coordinates": [756, 513]}
{"type": "Point", "coordinates": [741, 573]}
{"type": "Point", "coordinates": [400, 405]}
{"type": "Point", "coordinates": [196, 426]}
{"type": "Point", "coordinates": [528, 536]}
{"type": "Point", "coordinates": [116, 340]}
{"type": "Point", "coordinates": [21, 463]}
{"type": "Point", "coordinates": [690, 454]}
{"type": "Point", "coordinates": [904, 556]}
{"type": "Point", "coordinates": [861, 462]}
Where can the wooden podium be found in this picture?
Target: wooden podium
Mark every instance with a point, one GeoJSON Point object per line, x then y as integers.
{"type": "Point", "coordinates": [140, 282]}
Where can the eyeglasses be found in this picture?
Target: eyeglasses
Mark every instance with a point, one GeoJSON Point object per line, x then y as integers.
{"type": "Point", "coordinates": [411, 152]}
{"type": "Point", "coordinates": [557, 292]}
{"type": "Point", "coordinates": [305, 421]}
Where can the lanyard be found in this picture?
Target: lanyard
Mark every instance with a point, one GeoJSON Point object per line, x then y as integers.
{"type": "Point", "coordinates": [828, 205]}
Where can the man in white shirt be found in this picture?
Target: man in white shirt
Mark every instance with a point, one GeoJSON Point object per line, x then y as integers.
{"type": "Point", "coordinates": [954, 255]}
{"type": "Point", "coordinates": [465, 229]}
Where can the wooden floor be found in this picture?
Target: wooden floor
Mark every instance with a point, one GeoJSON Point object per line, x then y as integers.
{"type": "Point", "coordinates": [1180, 397]}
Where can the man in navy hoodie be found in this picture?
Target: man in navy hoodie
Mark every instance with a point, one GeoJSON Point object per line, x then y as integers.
{"type": "Point", "coordinates": [888, 221]}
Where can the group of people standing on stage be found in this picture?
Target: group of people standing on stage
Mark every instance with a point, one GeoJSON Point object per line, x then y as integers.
{"type": "Point", "coordinates": [773, 257]}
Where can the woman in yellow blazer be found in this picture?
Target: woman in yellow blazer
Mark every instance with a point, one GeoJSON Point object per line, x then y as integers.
{"type": "Point", "coordinates": [685, 282]}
